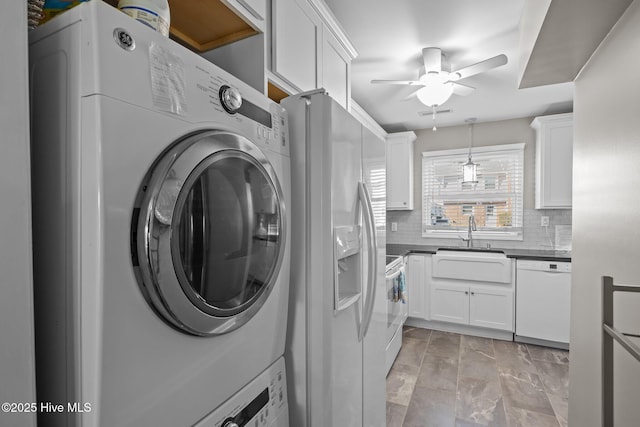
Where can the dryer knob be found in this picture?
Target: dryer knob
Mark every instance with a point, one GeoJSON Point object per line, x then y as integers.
{"type": "Point", "coordinates": [230, 99]}
{"type": "Point", "coordinates": [230, 424]}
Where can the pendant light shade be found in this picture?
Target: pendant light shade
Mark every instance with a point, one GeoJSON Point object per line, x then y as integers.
{"type": "Point", "coordinates": [470, 169]}
{"type": "Point", "coordinates": [469, 172]}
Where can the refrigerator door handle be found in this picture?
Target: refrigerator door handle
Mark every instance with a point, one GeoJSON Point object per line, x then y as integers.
{"type": "Point", "coordinates": [372, 266]}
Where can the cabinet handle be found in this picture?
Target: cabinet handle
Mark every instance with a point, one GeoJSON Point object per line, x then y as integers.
{"type": "Point", "coordinates": [466, 292]}
{"type": "Point", "coordinates": [473, 293]}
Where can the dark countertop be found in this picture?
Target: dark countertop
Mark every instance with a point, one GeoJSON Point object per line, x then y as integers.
{"type": "Point", "coordinates": [531, 254]}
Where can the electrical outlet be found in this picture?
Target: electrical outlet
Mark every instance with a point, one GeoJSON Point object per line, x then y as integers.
{"type": "Point", "coordinates": [544, 221]}
{"type": "Point", "coordinates": [394, 226]}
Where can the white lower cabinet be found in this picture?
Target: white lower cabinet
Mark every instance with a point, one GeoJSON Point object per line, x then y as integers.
{"type": "Point", "coordinates": [491, 308]}
{"type": "Point", "coordinates": [486, 306]}
{"type": "Point", "coordinates": [417, 285]}
{"type": "Point", "coordinates": [450, 303]}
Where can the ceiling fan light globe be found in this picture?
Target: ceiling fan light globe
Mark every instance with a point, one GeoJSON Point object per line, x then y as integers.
{"type": "Point", "coordinates": [436, 94]}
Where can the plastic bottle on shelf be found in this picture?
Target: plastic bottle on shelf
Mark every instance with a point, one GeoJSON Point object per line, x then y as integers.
{"type": "Point", "coordinates": [152, 13]}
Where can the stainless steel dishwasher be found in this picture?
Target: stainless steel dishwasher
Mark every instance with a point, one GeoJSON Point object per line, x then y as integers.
{"type": "Point", "coordinates": [543, 302]}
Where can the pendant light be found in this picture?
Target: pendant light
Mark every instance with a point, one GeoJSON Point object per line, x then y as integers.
{"type": "Point", "coordinates": [469, 169]}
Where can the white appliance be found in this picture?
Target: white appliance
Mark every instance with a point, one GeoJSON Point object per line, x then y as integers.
{"type": "Point", "coordinates": [262, 402]}
{"type": "Point", "coordinates": [543, 302]}
{"type": "Point", "coordinates": [161, 187]}
{"type": "Point", "coordinates": [397, 310]}
{"type": "Point", "coordinates": [337, 320]}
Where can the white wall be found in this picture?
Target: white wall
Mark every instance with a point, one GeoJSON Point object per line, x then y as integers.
{"type": "Point", "coordinates": [606, 218]}
{"type": "Point", "coordinates": [490, 133]}
{"type": "Point", "coordinates": [17, 374]}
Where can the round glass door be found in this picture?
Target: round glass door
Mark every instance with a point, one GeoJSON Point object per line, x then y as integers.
{"type": "Point", "coordinates": [210, 236]}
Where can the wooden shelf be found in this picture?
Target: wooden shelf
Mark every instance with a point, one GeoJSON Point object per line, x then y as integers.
{"type": "Point", "coordinates": [204, 24]}
{"type": "Point", "coordinates": [275, 93]}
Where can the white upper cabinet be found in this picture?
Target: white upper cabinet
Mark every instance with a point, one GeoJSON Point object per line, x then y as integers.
{"type": "Point", "coordinates": [309, 49]}
{"type": "Point", "coordinates": [253, 12]}
{"type": "Point", "coordinates": [295, 35]}
{"type": "Point", "coordinates": [554, 160]}
{"type": "Point", "coordinates": [400, 170]}
{"type": "Point", "coordinates": [336, 69]}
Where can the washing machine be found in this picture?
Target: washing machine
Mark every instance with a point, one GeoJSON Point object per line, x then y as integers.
{"type": "Point", "coordinates": [161, 232]}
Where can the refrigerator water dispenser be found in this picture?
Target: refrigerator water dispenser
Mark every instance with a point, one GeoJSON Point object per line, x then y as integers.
{"type": "Point", "coordinates": [346, 265]}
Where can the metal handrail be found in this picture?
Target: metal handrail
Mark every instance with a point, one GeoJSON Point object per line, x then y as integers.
{"type": "Point", "coordinates": [610, 333]}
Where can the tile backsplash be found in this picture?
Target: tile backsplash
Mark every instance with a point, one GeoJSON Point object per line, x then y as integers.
{"type": "Point", "coordinates": [534, 237]}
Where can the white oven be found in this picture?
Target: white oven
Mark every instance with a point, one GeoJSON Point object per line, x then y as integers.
{"type": "Point", "coordinates": [397, 295]}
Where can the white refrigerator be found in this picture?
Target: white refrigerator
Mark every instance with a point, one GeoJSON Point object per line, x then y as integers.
{"type": "Point", "coordinates": [336, 341]}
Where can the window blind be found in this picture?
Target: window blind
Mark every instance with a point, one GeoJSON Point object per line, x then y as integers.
{"type": "Point", "coordinates": [496, 200]}
{"type": "Point", "coordinates": [377, 183]}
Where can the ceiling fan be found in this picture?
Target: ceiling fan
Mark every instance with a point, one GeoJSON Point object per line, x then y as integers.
{"type": "Point", "coordinates": [439, 82]}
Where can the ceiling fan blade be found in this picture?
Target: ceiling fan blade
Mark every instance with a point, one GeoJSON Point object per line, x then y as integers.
{"type": "Point", "coordinates": [478, 67]}
{"type": "Point", "coordinates": [432, 57]}
{"type": "Point", "coordinates": [462, 90]}
{"type": "Point", "coordinates": [396, 82]}
{"type": "Point", "coordinates": [411, 95]}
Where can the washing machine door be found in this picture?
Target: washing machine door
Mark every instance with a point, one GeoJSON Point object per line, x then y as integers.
{"type": "Point", "coordinates": [210, 233]}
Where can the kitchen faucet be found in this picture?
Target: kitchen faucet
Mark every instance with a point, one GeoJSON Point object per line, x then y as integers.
{"type": "Point", "coordinates": [472, 227]}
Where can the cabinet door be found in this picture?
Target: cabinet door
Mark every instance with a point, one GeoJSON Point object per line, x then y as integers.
{"type": "Point", "coordinates": [336, 68]}
{"type": "Point", "coordinates": [416, 286]}
{"type": "Point", "coordinates": [450, 303]}
{"type": "Point", "coordinates": [491, 308]}
{"type": "Point", "coordinates": [400, 172]}
{"type": "Point", "coordinates": [295, 34]}
{"type": "Point", "coordinates": [253, 11]}
{"type": "Point", "coordinates": [554, 161]}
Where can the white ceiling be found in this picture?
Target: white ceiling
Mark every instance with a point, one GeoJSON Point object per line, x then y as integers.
{"type": "Point", "coordinates": [389, 37]}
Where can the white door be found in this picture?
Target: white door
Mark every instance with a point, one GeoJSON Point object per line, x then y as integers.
{"type": "Point", "coordinates": [295, 39]}
{"type": "Point", "coordinates": [209, 233]}
{"type": "Point", "coordinates": [416, 286]}
{"type": "Point", "coordinates": [336, 66]}
{"type": "Point", "coordinates": [400, 171]}
{"type": "Point", "coordinates": [346, 349]}
{"type": "Point", "coordinates": [548, 292]}
{"type": "Point", "coordinates": [374, 357]}
{"type": "Point", "coordinates": [491, 308]}
{"type": "Point", "coordinates": [450, 303]}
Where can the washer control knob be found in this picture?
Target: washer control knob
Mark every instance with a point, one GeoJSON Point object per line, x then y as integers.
{"type": "Point", "coordinates": [230, 423]}
{"type": "Point", "coordinates": [230, 99]}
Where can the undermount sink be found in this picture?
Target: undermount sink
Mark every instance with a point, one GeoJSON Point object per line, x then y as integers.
{"type": "Point", "coordinates": [463, 249]}
{"type": "Point", "coordinates": [475, 264]}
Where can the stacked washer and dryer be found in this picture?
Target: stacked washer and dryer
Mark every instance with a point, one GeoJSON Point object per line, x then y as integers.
{"type": "Point", "coordinates": [161, 233]}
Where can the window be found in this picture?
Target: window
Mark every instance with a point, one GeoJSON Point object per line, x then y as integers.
{"type": "Point", "coordinates": [495, 201]}
{"type": "Point", "coordinates": [378, 193]}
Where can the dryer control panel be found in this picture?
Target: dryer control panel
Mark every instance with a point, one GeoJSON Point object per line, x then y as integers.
{"type": "Point", "coordinates": [262, 403]}
{"type": "Point", "coordinates": [216, 96]}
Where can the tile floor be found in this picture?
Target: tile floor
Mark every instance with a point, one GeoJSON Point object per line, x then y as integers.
{"type": "Point", "coordinates": [442, 379]}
